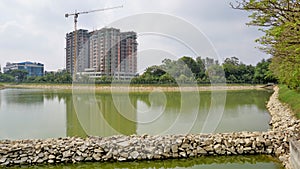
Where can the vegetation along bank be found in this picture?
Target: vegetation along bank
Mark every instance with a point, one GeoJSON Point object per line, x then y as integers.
{"type": "Point", "coordinates": [291, 97]}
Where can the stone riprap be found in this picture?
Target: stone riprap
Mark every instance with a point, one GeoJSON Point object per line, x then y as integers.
{"type": "Point", "coordinates": [145, 147]}
{"type": "Point", "coordinates": [284, 122]}
{"type": "Point", "coordinates": [124, 148]}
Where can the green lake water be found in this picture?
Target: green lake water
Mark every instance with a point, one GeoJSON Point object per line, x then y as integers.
{"type": "Point", "coordinates": [35, 113]}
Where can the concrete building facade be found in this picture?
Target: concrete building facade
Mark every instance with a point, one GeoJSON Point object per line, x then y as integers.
{"type": "Point", "coordinates": [82, 59]}
{"type": "Point", "coordinates": [128, 53]}
{"type": "Point", "coordinates": [106, 52]}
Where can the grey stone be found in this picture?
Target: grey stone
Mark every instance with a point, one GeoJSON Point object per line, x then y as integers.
{"type": "Point", "coordinates": [124, 154]}
{"type": "Point", "coordinates": [269, 151]}
{"type": "Point", "coordinates": [78, 152]}
{"type": "Point", "coordinates": [268, 142]}
{"type": "Point", "coordinates": [79, 158]}
{"type": "Point", "coordinates": [50, 161]}
{"type": "Point", "coordinates": [182, 154]}
{"type": "Point", "coordinates": [124, 143]}
{"type": "Point", "coordinates": [247, 149]}
{"type": "Point", "coordinates": [67, 154]}
{"type": "Point", "coordinates": [2, 160]}
{"type": "Point", "coordinates": [248, 142]}
{"type": "Point", "coordinates": [240, 150]}
{"type": "Point", "coordinates": [134, 154]}
{"type": "Point", "coordinates": [174, 148]}
{"type": "Point", "coordinates": [40, 161]}
{"type": "Point", "coordinates": [41, 155]}
{"type": "Point", "coordinates": [201, 151]}
{"type": "Point", "coordinates": [208, 148]}
{"type": "Point", "coordinates": [35, 159]}
{"type": "Point", "coordinates": [88, 159]}
{"type": "Point", "coordinates": [5, 164]}
{"type": "Point", "coordinates": [149, 156]}
{"type": "Point", "coordinates": [167, 149]}
{"type": "Point", "coordinates": [149, 149]}
{"type": "Point", "coordinates": [51, 157]}
{"type": "Point", "coordinates": [185, 145]}
{"type": "Point", "coordinates": [23, 155]}
{"type": "Point", "coordinates": [96, 156]}
{"type": "Point", "coordinates": [84, 155]}
{"type": "Point", "coordinates": [23, 159]}
{"type": "Point", "coordinates": [98, 151]}
{"type": "Point", "coordinates": [122, 159]}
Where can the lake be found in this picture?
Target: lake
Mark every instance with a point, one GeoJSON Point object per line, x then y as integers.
{"type": "Point", "coordinates": [40, 113]}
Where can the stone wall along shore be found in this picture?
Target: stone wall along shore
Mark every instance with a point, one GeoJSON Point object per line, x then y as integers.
{"type": "Point", "coordinates": [284, 122]}
{"type": "Point", "coordinates": [125, 148]}
{"type": "Point", "coordinates": [128, 148]}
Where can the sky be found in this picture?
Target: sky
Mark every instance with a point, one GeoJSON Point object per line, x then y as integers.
{"type": "Point", "coordinates": [34, 30]}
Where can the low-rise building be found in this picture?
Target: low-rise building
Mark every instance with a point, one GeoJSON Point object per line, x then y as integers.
{"type": "Point", "coordinates": [33, 68]}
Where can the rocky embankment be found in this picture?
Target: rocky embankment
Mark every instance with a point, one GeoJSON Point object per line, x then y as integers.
{"type": "Point", "coordinates": [284, 123]}
{"type": "Point", "coordinates": [127, 148]}
{"type": "Point", "coordinates": [124, 148]}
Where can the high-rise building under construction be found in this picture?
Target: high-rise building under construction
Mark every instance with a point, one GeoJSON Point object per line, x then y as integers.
{"type": "Point", "coordinates": [106, 52]}
{"type": "Point", "coordinates": [81, 52]}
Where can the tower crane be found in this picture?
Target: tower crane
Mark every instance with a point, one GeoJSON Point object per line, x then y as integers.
{"type": "Point", "coordinates": [76, 14]}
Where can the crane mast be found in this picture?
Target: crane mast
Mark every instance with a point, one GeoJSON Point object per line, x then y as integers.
{"type": "Point", "coordinates": [76, 14]}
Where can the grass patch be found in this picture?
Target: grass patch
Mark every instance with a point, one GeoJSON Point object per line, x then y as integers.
{"type": "Point", "coordinates": [2, 85]}
{"type": "Point", "coordinates": [291, 97]}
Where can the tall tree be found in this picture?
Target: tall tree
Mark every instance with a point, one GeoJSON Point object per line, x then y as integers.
{"type": "Point", "coordinates": [201, 66]}
{"type": "Point", "coordinates": [280, 20]}
{"type": "Point", "coordinates": [262, 73]}
{"type": "Point", "coordinates": [230, 67]}
{"type": "Point", "coordinates": [191, 63]}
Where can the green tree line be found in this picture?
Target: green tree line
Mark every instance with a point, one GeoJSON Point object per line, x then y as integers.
{"type": "Point", "coordinates": [184, 70]}
{"type": "Point", "coordinates": [280, 22]}
{"type": "Point", "coordinates": [201, 71]}
{"type": "Point", "coordinates": [20, 76]}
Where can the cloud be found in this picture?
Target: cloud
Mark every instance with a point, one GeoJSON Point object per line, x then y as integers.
{"type": "Point", "coordinates": [35, 30]}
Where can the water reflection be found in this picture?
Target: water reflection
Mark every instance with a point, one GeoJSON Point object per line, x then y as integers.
{"type": "Point", "coordinates": [51, 113]}
{"type": "Point", "coordinates": [26, 113]}
{"type": "Point", "coordinates": [246, 111]}
{"type": "Point", "coordinates": [213, 162]}
{"type": "Point", "coordinates": [16, 96]}
{"type": "Point", "coordinates": [102, 114]}
{"type": "Point", "coordinates": [98, 116]}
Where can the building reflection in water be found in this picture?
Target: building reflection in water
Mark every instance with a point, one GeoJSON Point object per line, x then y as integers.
{"type": "Point", "coordinates": [104, 114]}
{"type": "Point", "coordinates": [97, 115]}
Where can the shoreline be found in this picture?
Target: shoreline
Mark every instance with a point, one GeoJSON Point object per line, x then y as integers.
{"type": "Point", "coordinates": [2, 87]}
{"type": "Point", "coordinates": [146, 88]}
{"type": "Point", "coordinates": [273, 142]}
{"type": "Point", "coordinates": [284, 121]}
